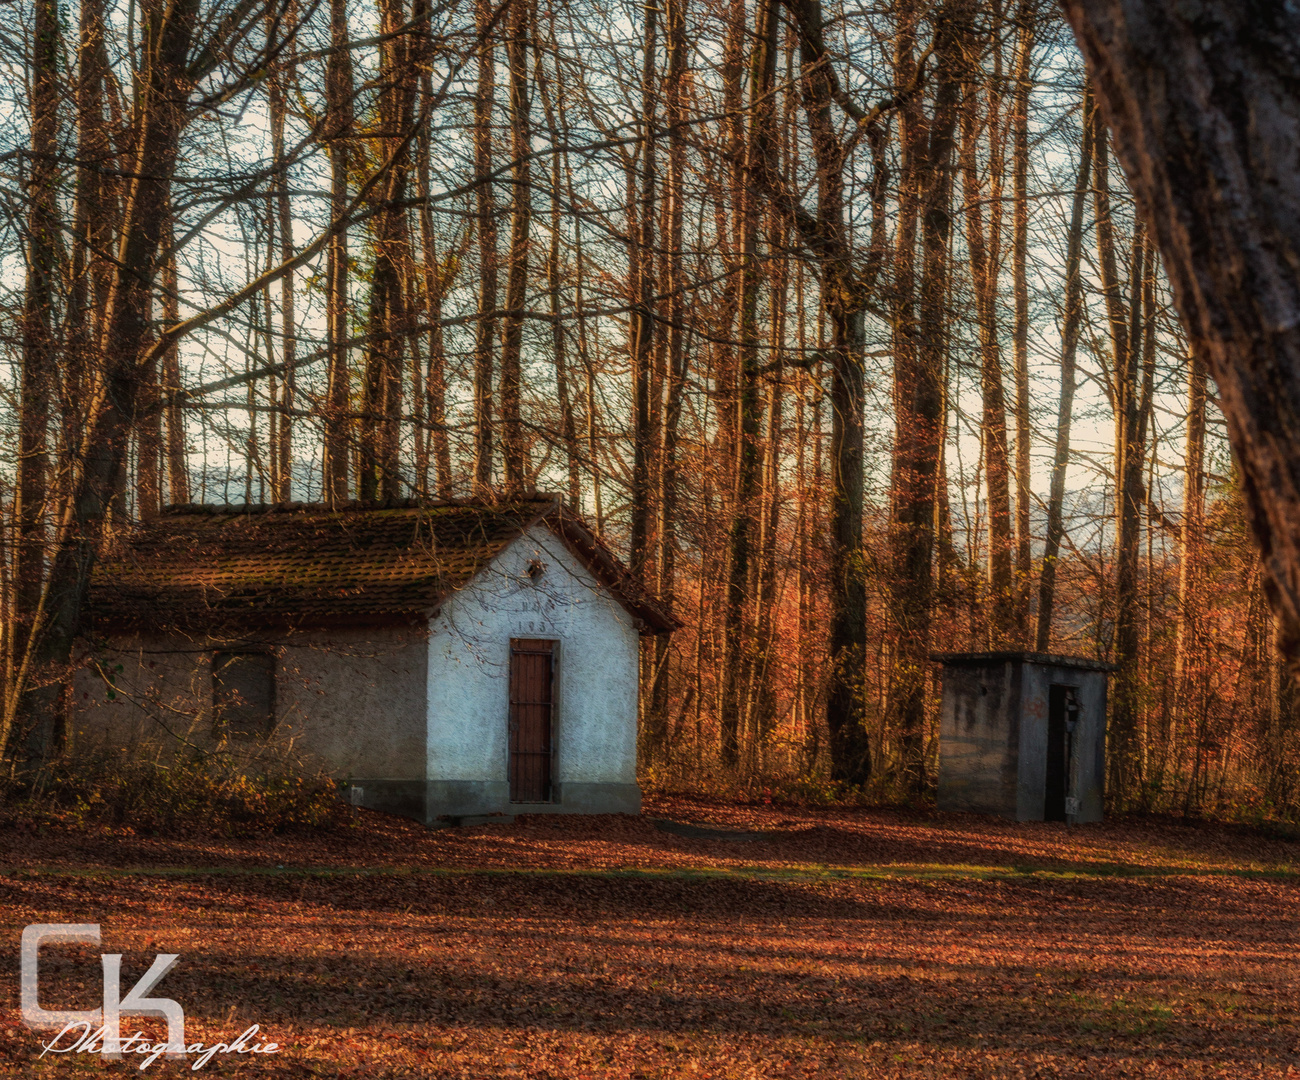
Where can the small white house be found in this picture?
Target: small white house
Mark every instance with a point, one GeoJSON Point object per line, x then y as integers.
{"type": "Point", "coordinates": [447, 659]}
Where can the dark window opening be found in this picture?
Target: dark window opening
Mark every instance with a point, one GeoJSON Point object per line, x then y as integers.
{"type": "Point", "coordinates": [532, 706]}
{"type": "Point", "coordinates": [243, 694]}
{"type": "Point", "coordinates": [1062, 716]}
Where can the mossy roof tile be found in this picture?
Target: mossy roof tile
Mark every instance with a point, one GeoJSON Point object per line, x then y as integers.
{"type": "Point", "coordinates": [203, 567]}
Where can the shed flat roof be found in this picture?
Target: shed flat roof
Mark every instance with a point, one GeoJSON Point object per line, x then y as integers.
{"type": "Point", "coordinates": [984, 659]}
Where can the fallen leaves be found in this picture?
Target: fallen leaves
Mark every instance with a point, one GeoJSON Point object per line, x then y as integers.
{"type": "Point", "coordinates": [863, 944]}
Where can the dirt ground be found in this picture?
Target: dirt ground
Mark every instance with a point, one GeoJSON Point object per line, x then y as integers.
{"type": "Point", "coordinates": [769, 942]}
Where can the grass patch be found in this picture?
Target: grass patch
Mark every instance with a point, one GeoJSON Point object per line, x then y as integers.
{"type": "Point", "coordinates": [792, 874]}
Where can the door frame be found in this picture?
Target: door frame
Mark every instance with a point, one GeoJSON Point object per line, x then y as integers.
{"type": "Point", "coordinates": [555, 654]}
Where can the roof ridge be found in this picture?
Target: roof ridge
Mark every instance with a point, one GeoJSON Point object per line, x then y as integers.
{"type": "Point", "coordinates": [358, 505]}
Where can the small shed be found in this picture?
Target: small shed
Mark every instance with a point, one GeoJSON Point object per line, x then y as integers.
{"type": "Point", "coordinates": [1023, 735]}
{"type": "Point", "coordinates": [447, 660]}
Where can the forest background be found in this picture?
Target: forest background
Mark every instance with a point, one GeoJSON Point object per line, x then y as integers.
{"type": "Point", "coordinates": [835, 321]}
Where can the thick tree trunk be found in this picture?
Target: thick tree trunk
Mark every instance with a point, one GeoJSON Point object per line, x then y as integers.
{"type": "Point", "coordinates": [920, 404]}
{"type": "Point", "coordinates": [847, 282]}
{"type": "Point", "coordinates": [737, 658]}
{"type": "Point", "coordinates": [912, 139]}
{"type": "Point", "coordinates": [380, 475]}
{"type": "Point", "coordinates": [1204, 103]}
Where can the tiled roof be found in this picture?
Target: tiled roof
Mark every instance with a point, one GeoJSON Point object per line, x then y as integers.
{"type": "Point", "coordinates": [205, 567]}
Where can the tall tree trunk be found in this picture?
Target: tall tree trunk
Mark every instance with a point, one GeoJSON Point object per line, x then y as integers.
{"type": "Point", "coordinates": [559, 343]}
{"type": "Point", "coordinates": [381, 418]}
{"type": "Point", "coordinates": [642, 208]}
{"type": "Point", "coordinates": [1026, 32]}
{"type": "Point", "coordinates": [554, 263]}
{"type": "Point", "coordinates": [985, 258]}
{"type": "Point", "coordinates": [761, 705]}
{"type": "Point", "coordinates": [590, 434]}
{"type": "Point", "coordinates": [39, 360]}
{"type": "Point", "coordinates": [747, 406]}
{"type": "Point", "coordinates": [1133, 389]}
{"type": "Point", "coordinates": [514, 454]}
{"type": "Point", "coordinates": [178, 472]}
{"type": "Point", "coordinates": [283, 449]}
{"type": "Point", "coordinates": [486, 223]}
{"type": "Point", "coordinates": [437, 281]}
{"type": "Point", "coordinates": [1071, 320]}
{"type": "Point", "coordinates": [912, 139]}
{"type": "Point", "coordinates": [675, 379]}
{"type": "Point", "coordinates": [847, 283]}
{"type": "Point", "coordinates": [1123, 737]}
{"type": "Point", "coordinates": [94, 219]}
{"type": "Point", "coordinates": [1191, 540]}
{"type": "Point", "coordinates": [1122, 389]}
{"type": "Point", "coordinates": [339, 124]}
{"type": "Point", "coordinates": [920, 405]}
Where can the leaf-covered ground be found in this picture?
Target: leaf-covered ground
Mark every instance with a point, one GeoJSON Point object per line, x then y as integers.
{"type": "Point", "coordinates": [785, 944]}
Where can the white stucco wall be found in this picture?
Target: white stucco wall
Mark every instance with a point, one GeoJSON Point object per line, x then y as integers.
{"type": "Point", "coordinates": [596, 666]}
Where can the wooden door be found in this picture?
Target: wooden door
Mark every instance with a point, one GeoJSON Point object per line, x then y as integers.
{"type": "Point", "coordinates": [532, 707]}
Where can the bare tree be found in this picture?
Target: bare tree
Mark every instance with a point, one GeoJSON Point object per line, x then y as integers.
{"type": "Point", "coordinates": [1071, 318]}
{"type": "Point", "coordinates": [1176, 85]}
{"type": "Point", "coordinates": [339, 121]}
{"type": "Point", "coordinates": [486, 225]}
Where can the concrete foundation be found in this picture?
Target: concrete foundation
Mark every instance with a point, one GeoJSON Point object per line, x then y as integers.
{"type": "Point", "coordinates": [444, 801]}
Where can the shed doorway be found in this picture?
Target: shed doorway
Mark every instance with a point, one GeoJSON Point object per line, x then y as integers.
{"type": "Point", "coordinates": [1062, 714]}
{"type": "Point", "coordinates": [532, 709]}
